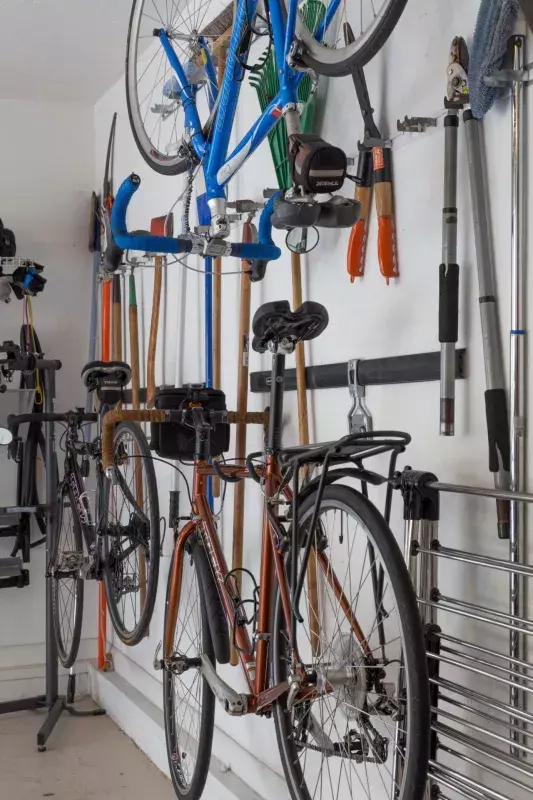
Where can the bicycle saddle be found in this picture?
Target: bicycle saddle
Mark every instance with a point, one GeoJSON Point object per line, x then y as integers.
{"type": "Point", "coordinates": [275, 321]}
{"type": "Point", "coordinates": [95, 372]}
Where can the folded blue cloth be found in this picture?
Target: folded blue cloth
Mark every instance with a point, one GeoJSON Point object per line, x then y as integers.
{"type": "Point", "coordinates": [495, 23]}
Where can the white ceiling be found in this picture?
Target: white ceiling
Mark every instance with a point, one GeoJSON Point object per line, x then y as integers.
{"type": "Point", "coordinates": [66, 50]}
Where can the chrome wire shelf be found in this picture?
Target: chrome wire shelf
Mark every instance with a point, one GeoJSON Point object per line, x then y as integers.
{"type": "Point", "coordinates": [482, 731]}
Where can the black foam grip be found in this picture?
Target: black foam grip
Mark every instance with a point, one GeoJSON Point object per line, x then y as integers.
{"type": "Point", "coordinates": [112, 257]}
{"type": "Point", "coordinates": [448, 302]}
{"type": "Point", "coordinates": [257, 270]}
{"type": "Point", "coordinates": [497, 429]}
{"type": "Point", "coordinates": [174, 507]}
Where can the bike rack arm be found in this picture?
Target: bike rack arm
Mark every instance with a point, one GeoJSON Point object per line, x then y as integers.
{"type": "Point", "coordinates": [416, 368]}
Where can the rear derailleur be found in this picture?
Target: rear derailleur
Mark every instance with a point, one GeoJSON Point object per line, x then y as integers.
{"type": "Point", "coordinates": [365, 745]}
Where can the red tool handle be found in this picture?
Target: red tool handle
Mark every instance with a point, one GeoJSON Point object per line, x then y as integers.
{"type": "Point", "coordinates": [358, 235]}
{"type": "Point", "coordinates": [385, 212]}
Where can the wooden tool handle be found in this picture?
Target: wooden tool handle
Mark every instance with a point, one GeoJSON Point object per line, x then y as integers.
{"type": "Point", "coordinates": [154, 325]}
{"type": "Point", "coordinates": [303, 428]}
{"type": "Point", "coordinates": [385, 213]}
{"type": "Point", "coordinates": [134, 346]}
{"type": "Point", "coordinates": [242, 408]}
{"type": "Point", "coordinates": [297, 299]}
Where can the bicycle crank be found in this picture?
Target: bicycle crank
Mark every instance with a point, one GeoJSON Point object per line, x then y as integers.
{"type": "Point", "coordinates": [234, 703]}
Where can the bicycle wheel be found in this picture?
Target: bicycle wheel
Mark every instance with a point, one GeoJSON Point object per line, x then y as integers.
{"type": "Point", "coordinates": [130, 530]}
{"type": "Point", "coordinates": [367, 729]}
{"type": "Point", "coordinates": [188, 702]}
{"type": "Point", "coordinates": [67, 589]}
{"type": "Point", "coordinates": [154, 105]}
{"type": "Point", "coordinates": [372, 22]}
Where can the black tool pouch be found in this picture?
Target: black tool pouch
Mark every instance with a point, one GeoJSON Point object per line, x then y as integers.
{"type": "Point", "coordinates": [8, 244]}
{"type": "Point", "coordinates": [178, 440]}
{"type": "Point", "coordinates": [316, 166]}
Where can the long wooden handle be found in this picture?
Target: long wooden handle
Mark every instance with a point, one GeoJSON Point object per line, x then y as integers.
{"type": "Point", "coordinates": [385, 212]}
{"type": "Point", "coordinates": [303, 429]}
{"type": "Point", "coordinates": [154, 325]}
{"type": "Point", "coordinates": [217, 289]}
{"type": "Point", "coordinates": [134, 346]}
{"type": "Point", "coordinates": [242, 407]}
{"type": "Point", "coordinates": [136, 404]}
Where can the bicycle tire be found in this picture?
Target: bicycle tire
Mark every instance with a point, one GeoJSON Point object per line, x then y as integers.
{"type": "Point", "coordinates": [338, 497]}
{"type": "Point", "coordinates": [67, 654]}
{"type": "Point", "coordinates": [177, 166]}
{"type": "Point", "coordinates": [27, 491]}
{"type": "Point", "coordinates": [194, 788]}
{"type": "Point", "coordinates": [133, 636]}
{"type": "Point", "coordinates": [331, 61]}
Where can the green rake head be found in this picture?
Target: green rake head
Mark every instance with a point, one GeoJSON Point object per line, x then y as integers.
{"type": "Point", "coordinates": [266, 82]}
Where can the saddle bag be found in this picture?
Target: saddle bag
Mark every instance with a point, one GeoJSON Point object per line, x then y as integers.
{"type": "Point", "coordinates": [176, 440]}
{"type": "Point", "coordinates": [316, 166]}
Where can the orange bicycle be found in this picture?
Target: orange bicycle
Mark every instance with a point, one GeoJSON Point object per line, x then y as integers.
{"type": "Point", "coordinates": [336, 651]}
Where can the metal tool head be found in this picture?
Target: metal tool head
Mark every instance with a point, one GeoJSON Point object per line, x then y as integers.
{"type": "Point", "coordinates": [246, 206]}
{"type": "Point", "coordinates": [457, 93]}
{"type": "Point", "coordinates": [359, 417]}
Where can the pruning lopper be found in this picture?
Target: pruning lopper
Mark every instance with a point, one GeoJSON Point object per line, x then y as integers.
{"type": "Point", "coordinates": [374, 171]}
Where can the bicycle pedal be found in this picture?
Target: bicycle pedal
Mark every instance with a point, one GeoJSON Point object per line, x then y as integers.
{"type": "Point", "coordinates": [158, 662]}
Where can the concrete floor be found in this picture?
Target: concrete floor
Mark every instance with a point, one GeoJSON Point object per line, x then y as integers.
{"type": "Point", "coordinates": [86, 759]}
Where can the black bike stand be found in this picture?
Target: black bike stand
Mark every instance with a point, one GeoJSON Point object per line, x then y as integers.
{"type": "Point", "coordinates": [55, 703]}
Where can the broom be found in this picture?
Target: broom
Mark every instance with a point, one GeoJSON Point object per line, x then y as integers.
{"type": "Point", "coordinates": [266, 82]}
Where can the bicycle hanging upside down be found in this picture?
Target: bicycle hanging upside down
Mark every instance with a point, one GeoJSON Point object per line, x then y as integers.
{"type": "Point", "coordinates": [181, 121]}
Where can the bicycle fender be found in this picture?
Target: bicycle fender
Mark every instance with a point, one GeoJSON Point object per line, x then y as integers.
{"type": "Point", "coordinates": [218, 624]}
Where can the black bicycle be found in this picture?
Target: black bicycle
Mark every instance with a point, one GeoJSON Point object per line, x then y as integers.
{"type": "Point", "coordinates": [121, 537]}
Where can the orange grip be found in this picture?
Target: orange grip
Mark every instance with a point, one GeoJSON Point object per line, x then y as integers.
{"type": "Point", "coordinates": [250, 418]}
{"type": "Point", "coordinates": [356, 250]}
{"type": "Point", "coordinates": [387, 248]}
{"type": "Point", "coordinates": [119, 415]}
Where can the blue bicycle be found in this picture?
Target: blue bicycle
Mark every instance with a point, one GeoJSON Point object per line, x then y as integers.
{"type": "Point", "coordinates": [182, 121]}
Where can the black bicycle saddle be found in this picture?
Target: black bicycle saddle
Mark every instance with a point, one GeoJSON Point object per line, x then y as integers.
{"type": "Point", "coordinates": [96, 371]}
{"type": "Point", "coordinates": [275, 321]}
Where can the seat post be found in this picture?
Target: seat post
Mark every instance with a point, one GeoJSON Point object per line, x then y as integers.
{"type": "Point", "coordinates": [277, 381]}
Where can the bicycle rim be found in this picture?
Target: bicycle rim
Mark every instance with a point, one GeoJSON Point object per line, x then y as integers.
{"type": "Point", "coordinates": [371, 21]}
{"type": "Point", "coordinates": [131, 536]}
{"type": "Point", "coordinates": [67, 592]}
{"type": "Point", "coordinates": [188, 702]}
{"type": "Point", "coordinates": [154, 104]}
{"type": "Point", "coordinates": [367, 736]}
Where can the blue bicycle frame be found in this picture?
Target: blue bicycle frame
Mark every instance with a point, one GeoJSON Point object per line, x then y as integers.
{"type": "Point", "coordinates": [218, 167]}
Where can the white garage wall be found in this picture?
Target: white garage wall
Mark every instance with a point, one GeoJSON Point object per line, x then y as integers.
{"type": "Point", "coordinates": [367, 319]}
{"type": "Point", "coordinates": [45, 185]}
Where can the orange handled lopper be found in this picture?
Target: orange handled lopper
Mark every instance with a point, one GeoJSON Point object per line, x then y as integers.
{"type": "Point", "coordinates": [374, 174]}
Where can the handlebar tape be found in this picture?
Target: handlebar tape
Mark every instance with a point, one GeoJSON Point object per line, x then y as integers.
{"type": "Point", "coordinates": [165, 244]}
{"type": "Point", "coordinates": [139, 240]}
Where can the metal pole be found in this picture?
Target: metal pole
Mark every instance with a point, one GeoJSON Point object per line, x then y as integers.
{"type": "Point", "coordinates": [52, 686]}
{"type": "Point", "coordinates": [517, 369]}
{"type": "Point", "coordinates": [522, 497]}
{"type": "Point", "coordinates": [449, 279]}
{"type": "Point", "coordinates": [495, 395]}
